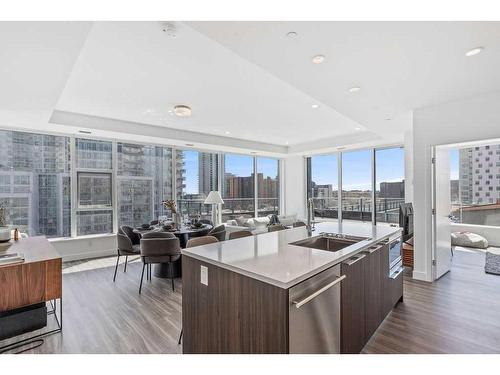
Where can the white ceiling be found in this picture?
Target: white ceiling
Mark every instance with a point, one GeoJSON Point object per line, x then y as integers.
{"type": "Point", "coordinates": [135, 72]}
{"type": "Point", "coordinates": [245, 78]}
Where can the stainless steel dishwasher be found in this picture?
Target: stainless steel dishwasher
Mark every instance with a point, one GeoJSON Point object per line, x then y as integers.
{"type": "Point", "coordinates": [314, 313]}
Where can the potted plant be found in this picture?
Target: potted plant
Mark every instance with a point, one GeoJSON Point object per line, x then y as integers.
{"type": "Point", "coordinates": [4, 229]}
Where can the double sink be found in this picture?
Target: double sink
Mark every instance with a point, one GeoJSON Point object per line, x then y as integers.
{"type": "Point", "coordinates": [329, 241]}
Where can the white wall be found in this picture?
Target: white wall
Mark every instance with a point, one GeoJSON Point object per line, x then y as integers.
{"type": "Point", "coordinates": [408, 145]}
{"type": "Point", "coordinates": [471, 119]}
{"type": "Point", "coordinates": [85, 247]}
{"type": "Point", "coordinates": [295, 186]}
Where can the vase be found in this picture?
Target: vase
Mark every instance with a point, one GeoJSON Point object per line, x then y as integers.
{"type": "Point", "coordinates": [176, 218]}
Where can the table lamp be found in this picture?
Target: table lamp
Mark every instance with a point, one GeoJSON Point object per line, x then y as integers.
{"type": "Point", "coordinates": [215, 200]}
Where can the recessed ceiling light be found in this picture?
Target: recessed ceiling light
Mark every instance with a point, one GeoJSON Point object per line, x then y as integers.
{"type": "Point", "coordinates": [357, 129]}
{"type": "Point", "coordinates": [388, 119]}
{"type": "Point", "coordinates": [189, 144]}
{"type": "Point", "coordinates": [182, 111]}
{"type": "Point", "coordinates": [291, 34]}
{"type": "Point", "coordinates": [286, 142]}
{"type": "Point", "coordinates": [253, 152]}
{"type": "Point", "coordinates": [354, 89]}
{"type": "Point", "coordinates": [227, 132]}
{"type": "Point", "coordinates": [474, 51]}
{"type": "Point", "coordinates": [318, 59]}
{"type": "Point", "coordinates": [314, 106]}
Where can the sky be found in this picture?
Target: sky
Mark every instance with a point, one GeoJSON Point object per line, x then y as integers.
{"type": "Point", "coordinates": [454, 162]}
{"type": "Point", "coordinates": [239, 165]}
{"type": "Point", "coordinates": [356, 168]}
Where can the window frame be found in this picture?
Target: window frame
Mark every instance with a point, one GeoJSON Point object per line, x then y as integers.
{"type": "Point", "coordinates": [373, 152]}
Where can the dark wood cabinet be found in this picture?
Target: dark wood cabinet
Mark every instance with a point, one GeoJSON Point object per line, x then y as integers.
{"type": "Point", "coordinates": [353, 304]}
{"type": "Point", "coordinates": [368, 295]}
{"type": "Point", "coordinates": [373, 291]}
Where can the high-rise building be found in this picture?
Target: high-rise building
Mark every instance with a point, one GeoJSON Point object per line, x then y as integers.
{"type": "Point", "coordinates": [479, 174]}
{"type": "Point", "coordinates": [207, 172]}
{"type": "Point", "coordinates": [34, 182]}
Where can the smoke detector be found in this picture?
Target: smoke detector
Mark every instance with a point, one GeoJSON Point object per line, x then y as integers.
{"type": "Point", "coordinates": [169, 29]}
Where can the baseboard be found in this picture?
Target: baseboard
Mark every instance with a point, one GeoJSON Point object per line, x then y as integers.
{"type": "Point", "coordinates": [422, 276]}
{"type": "Point", "coordinates": [88, 255]}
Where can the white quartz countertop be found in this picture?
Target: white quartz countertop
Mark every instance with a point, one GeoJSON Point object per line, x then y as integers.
{"type": "Point", "coordinates": [269, 257]}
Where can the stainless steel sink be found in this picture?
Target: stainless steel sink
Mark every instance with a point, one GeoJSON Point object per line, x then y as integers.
{"type": "Point", "coordinates": [329, 242]}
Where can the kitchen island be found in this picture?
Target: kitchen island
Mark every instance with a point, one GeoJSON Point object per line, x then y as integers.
{"type": "Point", "coordinates": [291, 291]}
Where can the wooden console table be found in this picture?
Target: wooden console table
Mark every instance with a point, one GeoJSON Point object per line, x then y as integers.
{"type": "Point", "coordinates": [37, 279]}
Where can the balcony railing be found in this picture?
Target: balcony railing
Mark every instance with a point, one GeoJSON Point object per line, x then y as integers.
{"type": "Point", "coordinates": [359, 208]}
{"type": "Point", "coordinates": [231, 209]}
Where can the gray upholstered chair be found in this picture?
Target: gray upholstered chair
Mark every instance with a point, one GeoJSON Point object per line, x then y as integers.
{"type": "Point", "coordinates": [239, 234]}
{"type": "Point", "coordinates": [206, 221]}
{"type": "Point", "coordinates": [218, 232]}
{"type": "Point", "coordinates": [159, 247]}
{"type": "Point", "coordinates": [276, 227]}
{"type": "Point", "coordinates": [198, 241]}
{"type": "Point", "coordinates": [125, 248]}
{"type": "Point", "coordinates": [153, 222]}
{"type": "Point", "coordinates": [299, 224]}
{"type": "Point", "coordinates": [129, 232]}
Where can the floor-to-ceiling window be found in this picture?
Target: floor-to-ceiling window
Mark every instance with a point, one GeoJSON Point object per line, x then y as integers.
{"type": "Point", "coordinates": [267, 186]}
{"type": "Point", "coordinates": [35, 182]}
{"type": "Point", "coordinates": [94, 163]}
{"type": "Point", "coordinates": [390, 184]}
{"type": "Point", "coordinates": [361, 172]}
{"type": "Point", "coordinates": [144, 180]}
{"type": "Point", "coordinates": [322, 185]}
{"type": "Point", "coordinates": [238, 186]}
{"type": "Point", "coordinates": [196, 177]}
{"type": "Point", "coordinates": [71, 186]}
{"type": "Point", "coordinates": [357, 185]}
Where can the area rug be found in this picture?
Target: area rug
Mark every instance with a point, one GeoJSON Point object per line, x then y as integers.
{"type": "Point", "coordinates": [492, 263]}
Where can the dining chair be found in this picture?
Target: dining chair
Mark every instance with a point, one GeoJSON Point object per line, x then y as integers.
{"type": "Point", "coordinates": [153, 222]}
{"type": "Point", "coordinates": [239, 234]}
{"type": "Point", "coordinates": [198, 241]}
{"type": "Point", "coordinates": [125, 248]}
{"type": "Point", "coordinates": [298, 224]}
{"type": "Point", "coordinates": [218, 232]}
{"type": "Point", "coordinates": [206, 221]}
{"type": "Point", "coordinates": [276, 227]}
{"type": "Point", "coordinates": [159, 247]}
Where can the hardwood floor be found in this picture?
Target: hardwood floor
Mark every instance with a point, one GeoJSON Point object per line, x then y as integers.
{"type": "Point", "coordinates": [458, 314]}
{"type": "Point", "coordinates": [105, 317]}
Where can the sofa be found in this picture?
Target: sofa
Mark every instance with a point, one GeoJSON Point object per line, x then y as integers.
{"type": "Point", "coordinates": [256, 225]}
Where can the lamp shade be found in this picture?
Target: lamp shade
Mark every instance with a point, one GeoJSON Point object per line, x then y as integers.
{"type": "Point", "coordinates": [214, 198]}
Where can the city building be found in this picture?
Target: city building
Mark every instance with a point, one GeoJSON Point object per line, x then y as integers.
{"type": "Point", "coordinates": [479, 174]}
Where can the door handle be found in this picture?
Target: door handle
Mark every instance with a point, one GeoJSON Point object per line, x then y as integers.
{"type": "Point", "coordinates": [302, 302]}
{"type": "Point", "coordinates": [354, 259]}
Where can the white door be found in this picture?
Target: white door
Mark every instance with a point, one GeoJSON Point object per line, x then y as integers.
{"type": "Point", "coordinates": [442, 210]}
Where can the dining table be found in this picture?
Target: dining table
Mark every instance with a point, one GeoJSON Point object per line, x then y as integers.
{"type": "Point", "coordinates": [184, 233]}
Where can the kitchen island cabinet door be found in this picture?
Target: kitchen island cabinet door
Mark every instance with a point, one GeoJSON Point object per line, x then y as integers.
{"type": "Point", "coordinates": [373, 292]}
{"type": "Point", "coordinates": [353, 305]}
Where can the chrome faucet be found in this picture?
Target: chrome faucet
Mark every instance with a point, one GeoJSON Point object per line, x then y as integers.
{"type": "Point", "coordinates": [310, 214]}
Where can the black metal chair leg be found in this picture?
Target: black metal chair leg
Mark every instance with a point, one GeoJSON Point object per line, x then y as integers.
{"type": "Point", "coordinates": [126, 261]}
{"type": "Point", "coordinates": [142, 276]}
{"type": "Point", "coordinates": [180, 337]}
{"type": "Point", "coordinates": [116, 268]}
{"type": "Point", "coordinates": [150, 268]}
{"type": "Point", "coordinates": [171, 266]}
